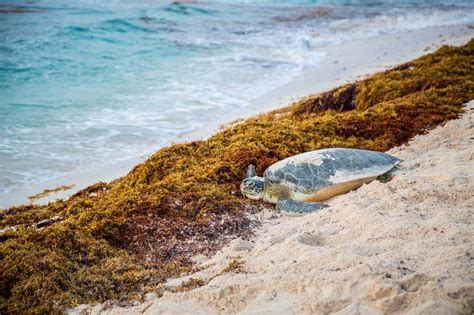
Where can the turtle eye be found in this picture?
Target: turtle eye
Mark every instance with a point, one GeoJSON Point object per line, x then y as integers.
{"type": "Point", "coordinates": [247, 183]}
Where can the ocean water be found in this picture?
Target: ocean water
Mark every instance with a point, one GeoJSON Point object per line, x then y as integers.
{"type": "Point", "coordinates": [87, 83]}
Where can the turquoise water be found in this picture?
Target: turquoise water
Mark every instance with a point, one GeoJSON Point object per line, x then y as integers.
{"type": "Point", "coordinates": [86, 83]}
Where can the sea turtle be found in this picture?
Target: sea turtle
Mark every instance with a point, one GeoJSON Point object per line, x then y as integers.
{"type": "Point", "coordinates": [297, 184]}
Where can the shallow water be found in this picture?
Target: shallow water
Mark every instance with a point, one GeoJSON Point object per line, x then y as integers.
{"type": "Point", "coordinates": [87, 83]}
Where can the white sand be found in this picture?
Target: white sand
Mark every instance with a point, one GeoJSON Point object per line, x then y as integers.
{"type": "Point", "coordinates": [402, 247]}
{"type": "Point", "coordinates": [343, 63]}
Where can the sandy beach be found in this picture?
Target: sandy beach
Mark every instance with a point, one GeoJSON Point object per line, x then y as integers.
{"type": "Point", "coordinates": [343, 63]}
{"type": "Point", "coordinates": [405, 247]}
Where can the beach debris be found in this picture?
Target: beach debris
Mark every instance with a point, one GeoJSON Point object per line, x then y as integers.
{"type": "Point", "coordinates": [8, 232]}
{"type": "Point", "coordinates": [47, 222]}
{"type": "Point", "coordinates": [38, 225]}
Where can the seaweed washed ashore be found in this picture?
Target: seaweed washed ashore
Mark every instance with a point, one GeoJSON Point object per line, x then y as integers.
{"type": "Point", "coordinates": [123, 239]}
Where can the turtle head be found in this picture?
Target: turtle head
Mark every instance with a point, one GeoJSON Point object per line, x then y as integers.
{"type": "Point", "coordinates": [253, 186]}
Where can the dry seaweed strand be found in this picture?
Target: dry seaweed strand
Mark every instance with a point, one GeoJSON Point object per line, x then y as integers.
{"type": "Point", "coordinates": [119, 240]}
{"type": "Point", "coordinates": [46, 192]}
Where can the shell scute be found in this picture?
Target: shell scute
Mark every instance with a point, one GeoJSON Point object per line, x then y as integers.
{"type": "Point", "coordinates": [304, 172]}
{"type": "Point", "coordinates": [291, 179]}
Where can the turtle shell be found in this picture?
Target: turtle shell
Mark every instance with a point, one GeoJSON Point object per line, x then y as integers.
{"type": "Point", "coordinates": [310, 172]}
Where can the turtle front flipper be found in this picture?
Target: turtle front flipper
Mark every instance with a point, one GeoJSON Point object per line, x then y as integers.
{"type": "Point", "coordinates": [293, 207]}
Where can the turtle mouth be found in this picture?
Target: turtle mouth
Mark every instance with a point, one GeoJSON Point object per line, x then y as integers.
{"type": "Point", "coordinates": [252, 196]}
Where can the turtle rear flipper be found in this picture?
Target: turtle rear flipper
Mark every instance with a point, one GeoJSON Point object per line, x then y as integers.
{"type": "Point", "coordinates": [385, 178]}
{"type": "Point", "coordinates": [293, 207]}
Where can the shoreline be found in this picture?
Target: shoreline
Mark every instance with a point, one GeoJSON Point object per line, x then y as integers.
{"type": "Point", "coordinates": [390, 50]}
